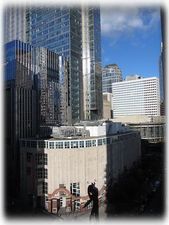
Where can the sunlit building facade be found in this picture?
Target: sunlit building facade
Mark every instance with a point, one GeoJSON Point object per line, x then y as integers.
{"type": "Point", "coordinates": [73, 33]}
{"type": "Point", "coordinates": [59, 30]}
{"type": "Point", "coordinates": [50, 168]}
{"type": "Point", "coordinates": [91, 61]}
{"type": "Point", "coordinates": [15, 24]}
{"type": "Point", "coordinates": [136, 97]}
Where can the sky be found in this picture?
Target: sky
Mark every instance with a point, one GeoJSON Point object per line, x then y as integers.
{"type": "Point", "coordinates": [131, 38]}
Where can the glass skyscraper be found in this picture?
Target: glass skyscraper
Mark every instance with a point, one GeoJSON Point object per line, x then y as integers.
{"type": "Point", "coordinates": [91, 61]}
{"type": "Point", "coordinates": [73, 33]}
{"type": "Point", "coordinates": [59, 30]}
{"type": "Point", "coordinates": [51, 85]}
{"type": "Point", "coordinates": [20, 107]}
{"type": "Point", "coordinates": [110, 74]}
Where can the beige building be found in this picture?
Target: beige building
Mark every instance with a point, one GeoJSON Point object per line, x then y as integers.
{"type": "Point", "coordinates": [58, 171]}
{"type": "Point", "coordinates": [107, 105]}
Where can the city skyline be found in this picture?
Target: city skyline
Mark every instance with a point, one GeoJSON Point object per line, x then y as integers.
{"type": "Point", "coordinates": [63, 131]}
{"type": "Point", "coordinates": [131, 31]}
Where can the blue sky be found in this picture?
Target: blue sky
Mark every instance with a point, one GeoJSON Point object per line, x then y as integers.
{"type": "Point", "coordinates": [131, 38]}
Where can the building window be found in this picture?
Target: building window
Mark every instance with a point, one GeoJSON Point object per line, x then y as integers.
{"type": "Point", "coordinates": [74, 144]}
{"type": "Point", "coordinates": [81, 144]}
{"type": "Point", "coordinates": [77, 205]}
{"type": "Point", "coordinates": [67, 145]}
{"type": "Point", "coordinates": [93, 142]}
{"type": "Point", "coordinates": [41, 144]}
{"type": "Point", "coordinates": [104, 141]}
{"type": "Point", "coordinates": [59, 144]}
{"type": "Point", "coordinates": [40, 173]}
{"type": "Point", "coordinates": [51, 145]}
{"type": "Point", "coordinates": [99, 141]}
{"type": "Point", "coordinates": [75, 189]}
{"type": "Point", "coordinates": [45, 188]}
{"type": "Point", "coordinates": [42, 159]}
{"type": "Point", "coordinates": [45, 159]}
{"type": "Point", "coordinates": [45, 173]}
{"type": "Point", "coordinates": [88, 143]}
{"type": "Point", "coordinates": [61, 201]}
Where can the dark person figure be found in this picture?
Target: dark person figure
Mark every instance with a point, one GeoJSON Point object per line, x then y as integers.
{"type": "Point", "coordinates": [93, 196]}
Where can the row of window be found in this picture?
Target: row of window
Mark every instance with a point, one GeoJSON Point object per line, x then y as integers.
{"type": "Point", "coordinates": [41, 158]}
{"type": "Point", "coordinates": [42, 173]}
{"type": "Point", "coordinates": [68, 144]}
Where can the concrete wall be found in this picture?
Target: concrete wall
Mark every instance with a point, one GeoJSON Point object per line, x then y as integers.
{"type": "Point", "coordinates": [85, 165]}
{"type": "Point", "coordinates": [78, 165]}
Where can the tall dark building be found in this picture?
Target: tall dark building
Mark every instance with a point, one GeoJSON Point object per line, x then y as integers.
{"type": "Point", "coordinates": [20, 107]}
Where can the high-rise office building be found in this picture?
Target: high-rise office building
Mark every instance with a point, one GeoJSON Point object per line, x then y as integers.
{"type": "Point", "coordinates": [15, 24]}
{"type": "Point", "coordinates": [59, 30]}
{"type": "Point", "coordinates": [20, 108]}
{"type": "Point", "coordinates": [73, 33]}
{"type": "Point", "coordinates": [91, 61]}
{"type": "Point", "coordinates": [136, 97]}
{"type": "Point", "coordinates": [110, 74]}
{"type": "Point", "coordinates": [51, 84]}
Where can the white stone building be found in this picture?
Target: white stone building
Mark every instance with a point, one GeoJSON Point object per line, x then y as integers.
{"type": "Point", "coordinates": [136, 97]}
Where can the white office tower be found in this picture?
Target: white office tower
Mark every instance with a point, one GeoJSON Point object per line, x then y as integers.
{"type": "Point", "coordinates": [15, 24]}
{"type": "Point", "coordinates": [136, 97]}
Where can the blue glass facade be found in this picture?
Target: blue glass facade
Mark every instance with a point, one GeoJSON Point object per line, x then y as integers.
{"type": "Point", "coordinates": [20, 106]}
{"type": "Point", "coordinates": [59, 29]}
{"type": "Point", "coordinates": [19, 63]}
{"type": "Point", "coordinates": [38, 69]}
